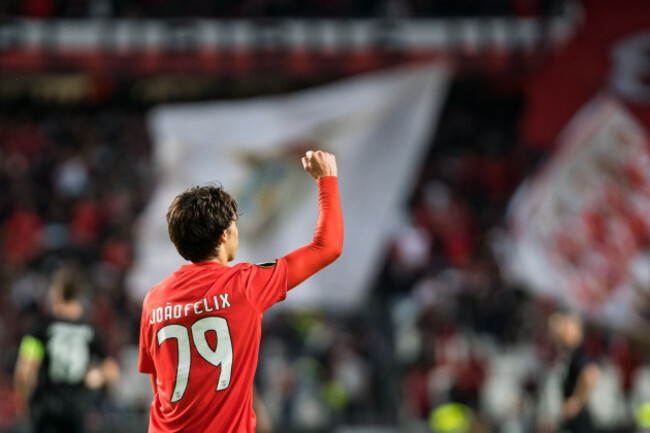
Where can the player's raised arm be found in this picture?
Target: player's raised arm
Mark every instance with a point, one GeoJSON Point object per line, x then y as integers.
{"type": "Point", "coordinates": [327, 244]}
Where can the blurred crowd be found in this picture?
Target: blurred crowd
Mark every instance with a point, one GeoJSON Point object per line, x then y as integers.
{"type": "Point", "coordinates": [462, 333]}
{"type": "Point", "coordinates": [441, 324]}
{"type": "Point", "coordinates": [73, 182]}
{"type": "Point", "coordinates": [275, 8]}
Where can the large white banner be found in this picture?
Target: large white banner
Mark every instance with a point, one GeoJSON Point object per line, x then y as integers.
{"type": "Point", "coordinates": [379, 127]}
{"type": "Point", "coordinates": [581, 227]}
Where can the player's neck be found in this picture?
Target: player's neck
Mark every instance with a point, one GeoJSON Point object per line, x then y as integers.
{"type": "Point", "coordinates": [221, 260]}
{"type": "Point", "coordinates": [221, 257]}
{"type": "Point", "coordinates": [70, 311]}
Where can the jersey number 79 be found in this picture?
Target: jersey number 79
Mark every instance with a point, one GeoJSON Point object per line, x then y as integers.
{"type": "Point", "coordinates": [221, 355]}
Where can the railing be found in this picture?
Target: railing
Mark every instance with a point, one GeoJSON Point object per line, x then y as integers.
{"type": "Point", "coordinates": [292, 45]}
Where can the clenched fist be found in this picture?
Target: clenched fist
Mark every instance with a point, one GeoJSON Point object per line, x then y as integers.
{"type": "Point", "coordinates": [319, 164]}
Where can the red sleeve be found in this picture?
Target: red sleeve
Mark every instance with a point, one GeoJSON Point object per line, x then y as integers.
{"type": "Point", "coordinates": [145, 363]}
{"type": "Point", "coordinates": [265, 284]}
{"type": "Point", "coordinates": [327, 244]}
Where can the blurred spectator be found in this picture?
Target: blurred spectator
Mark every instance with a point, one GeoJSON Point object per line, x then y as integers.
{"type": "Point", "coordinates": [23, 238]}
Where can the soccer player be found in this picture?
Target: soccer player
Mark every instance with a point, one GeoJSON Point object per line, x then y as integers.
{"type": "Point", "coordinates": [55, 362]}
{"type": "Point", "coordinates": [581, 373]}
{"type": "Point", "coordinates": [200, 328]}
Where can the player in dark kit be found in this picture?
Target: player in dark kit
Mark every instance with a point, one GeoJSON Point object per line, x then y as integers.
{"type": "Point", "coordinates": [581, 373]}
{"type": "Point", "coordinates": [200, 329]}
{"type": "Point", "coordinates": [56, 362]}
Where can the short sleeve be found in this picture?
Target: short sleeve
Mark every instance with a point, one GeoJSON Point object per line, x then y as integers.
{"type": "Point", "coordinates": [97, 347]}
{"type": "Point", "coordinates": [31, 348]}
{"type": "Point", "coordinates": [145, 362]}
{"type": "Point", "coordinates": [265, 284]}
{"type": "Point", "coordinates": [584, 361]}
{"type": "Point", "coordinates": [33, 343]}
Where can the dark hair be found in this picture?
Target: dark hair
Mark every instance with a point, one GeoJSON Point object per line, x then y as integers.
{"type": "Point", "coordinates": [197, 218]}
{"type": "Point", "coordinates": [68, 283]}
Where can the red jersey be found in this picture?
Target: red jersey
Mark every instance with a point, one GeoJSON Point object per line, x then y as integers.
{"type": "Point", "coordinates": [200, 336]}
